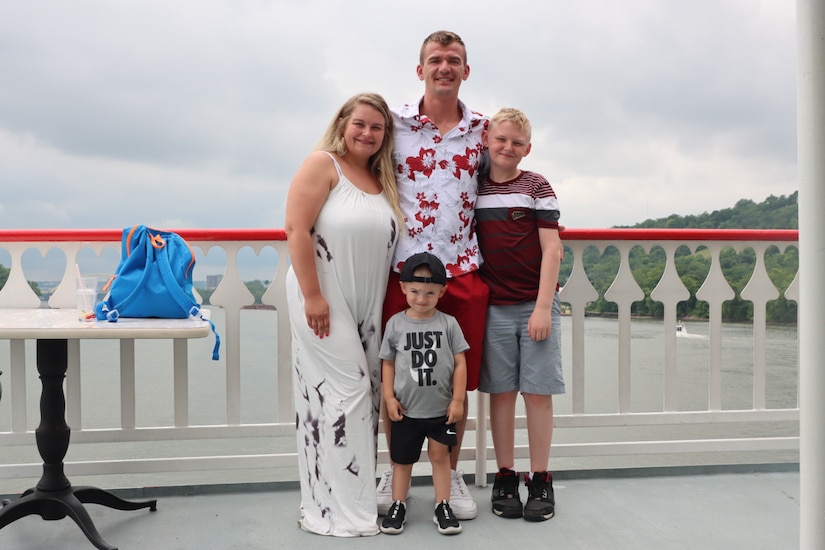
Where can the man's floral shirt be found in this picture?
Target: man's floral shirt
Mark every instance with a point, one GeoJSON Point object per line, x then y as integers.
{"type": "Point", "coordinates": [438, 185]}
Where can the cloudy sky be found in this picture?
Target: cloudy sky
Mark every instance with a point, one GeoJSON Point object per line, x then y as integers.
{"type": "Point", "coordinates": [196, 113]}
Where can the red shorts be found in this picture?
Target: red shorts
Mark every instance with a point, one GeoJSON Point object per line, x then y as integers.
{"type": "Point", "coordinates": [466, 300]}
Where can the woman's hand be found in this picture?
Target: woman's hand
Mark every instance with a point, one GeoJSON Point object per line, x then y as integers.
{"type": "Point", "coordinates": [316, 310]}
{"type": "Point", "coordinates": [307, 194]}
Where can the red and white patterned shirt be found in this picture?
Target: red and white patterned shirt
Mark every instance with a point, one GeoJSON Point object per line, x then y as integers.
{"type": "Point", "coordinates": [437, 187]}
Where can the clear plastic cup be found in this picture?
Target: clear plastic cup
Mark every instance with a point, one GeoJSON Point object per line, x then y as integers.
{"type": "Point", "coordinates": [86, 298]}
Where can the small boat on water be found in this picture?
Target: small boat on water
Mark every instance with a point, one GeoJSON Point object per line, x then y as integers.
{"type": "Point", "coordinates": [681, 330]}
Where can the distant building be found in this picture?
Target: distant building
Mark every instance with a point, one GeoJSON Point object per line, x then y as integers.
{"type": "Point", "coordinates": [212, 281]}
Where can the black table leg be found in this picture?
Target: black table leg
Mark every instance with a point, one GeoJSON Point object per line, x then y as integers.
{"type": "Point", "coordinates": [54, 497]}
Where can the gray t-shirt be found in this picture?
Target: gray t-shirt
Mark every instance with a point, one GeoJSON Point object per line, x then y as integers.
{"type": "Point", "coordinates": [423, 352]}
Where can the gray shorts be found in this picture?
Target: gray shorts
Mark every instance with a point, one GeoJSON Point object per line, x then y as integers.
{"type": "Point", "coordinates": [511, 361]}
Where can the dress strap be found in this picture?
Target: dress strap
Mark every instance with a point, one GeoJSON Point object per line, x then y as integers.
{"type": "Point", "coordinates": [335, 162]}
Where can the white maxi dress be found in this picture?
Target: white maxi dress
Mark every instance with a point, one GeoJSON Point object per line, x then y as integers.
{"type": "Point", "coordinates": [336, 379]}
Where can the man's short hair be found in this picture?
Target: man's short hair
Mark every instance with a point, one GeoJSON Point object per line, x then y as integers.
{"type": "Point", "coordinates": [444, 38]}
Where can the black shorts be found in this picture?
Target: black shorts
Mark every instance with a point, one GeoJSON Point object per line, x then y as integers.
{"type": "Point", "coordinates": [407, 437]}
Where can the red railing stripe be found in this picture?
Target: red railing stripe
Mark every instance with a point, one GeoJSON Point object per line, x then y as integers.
{"type": "Point", "coordinates": [660, 234]}
{"type": "Point", "coordinates": [103, 235]}
{"type": "Point", "coordinates": [585, 234]}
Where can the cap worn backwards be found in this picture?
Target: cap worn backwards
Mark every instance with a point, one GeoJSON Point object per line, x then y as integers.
{"type": "Point", "coordinates": [438, 273]}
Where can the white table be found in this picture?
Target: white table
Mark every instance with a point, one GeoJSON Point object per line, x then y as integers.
{"type": "Point", "coordinates": [54, 497]}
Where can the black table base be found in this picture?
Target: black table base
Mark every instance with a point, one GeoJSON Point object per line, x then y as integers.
{"type": "Point", "coordinates": [54, 497]}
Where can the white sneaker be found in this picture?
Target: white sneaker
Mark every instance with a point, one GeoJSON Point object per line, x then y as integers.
{"type": "Point", "coordinates": [383, 494]}
{"type": "Point", "coordinates": [462, 503]}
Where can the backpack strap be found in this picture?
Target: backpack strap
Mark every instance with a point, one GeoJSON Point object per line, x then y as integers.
{"type": "Point", "coordinates": [181, 298]}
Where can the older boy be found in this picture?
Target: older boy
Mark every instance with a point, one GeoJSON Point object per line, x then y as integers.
{"type": "Point", "coordinates": [517, 218]}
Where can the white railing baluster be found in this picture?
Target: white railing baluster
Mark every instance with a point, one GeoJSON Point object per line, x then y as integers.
{"type": "Point", "coordinates": [759, 290]}
{"type": "Point", "coordinates": [232, 295]}
{"type": "Point", "coordinates": [180, 365]}
{"type": "Point", "coordinates": [17, 391]}
{"type": "Point", "coordinates": [17, 292]}
{"type": "Point", "coordinates": [792, 293]}
{"type": "Point", "coordinates": [578, 291]}
{"type": "Point", "coordinates": [715, 290]}
{"type": "Point", "coordinates": [623, 292]}
{"type": "Point", "coordinates": [670, 291]}
{"type": "Point", "coordinates": [275, 296]}
{"type": "Point", "coordinates": [74, 396]}
{"type": "Point", "coordinates": [128, 407]}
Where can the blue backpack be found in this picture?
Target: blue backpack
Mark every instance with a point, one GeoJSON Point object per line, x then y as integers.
{"type": "Point", "coordinates": [153, 279]}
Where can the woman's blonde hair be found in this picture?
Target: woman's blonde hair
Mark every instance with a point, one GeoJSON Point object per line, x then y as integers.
{"type": "Point", "coordinates": [380, 163]}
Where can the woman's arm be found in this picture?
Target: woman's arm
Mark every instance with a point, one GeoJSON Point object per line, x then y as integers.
{"type": "Point", "coordinates": [307, 194]}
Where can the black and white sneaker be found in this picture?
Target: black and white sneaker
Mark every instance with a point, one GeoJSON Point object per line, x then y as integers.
{"type": "Point", "coordinates": [541, 502]}
{"type": "Point", "coordinates": [393, 522]}
{"type": "Point", "coordinates": [506, 500]}
{"type": "Point", "coordinates": [445, 519]}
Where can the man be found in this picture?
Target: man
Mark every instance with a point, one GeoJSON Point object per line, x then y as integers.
{"type": "Point", "coordinates": [437, 150]}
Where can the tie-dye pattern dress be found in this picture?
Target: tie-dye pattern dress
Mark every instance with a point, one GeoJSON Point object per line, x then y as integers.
{"type": "Point", "coordinates": [336, 380]}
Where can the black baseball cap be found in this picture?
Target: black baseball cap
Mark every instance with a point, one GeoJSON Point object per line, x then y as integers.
{"type": "Point", "coordinates": [439, 274]}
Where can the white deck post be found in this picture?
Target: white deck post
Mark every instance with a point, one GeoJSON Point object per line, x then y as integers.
{"type": "Point", "coordinates": [811, 144]}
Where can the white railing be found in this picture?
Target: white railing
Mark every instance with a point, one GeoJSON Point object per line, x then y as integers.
{"type": "Point", "coordinates": [233, 297]}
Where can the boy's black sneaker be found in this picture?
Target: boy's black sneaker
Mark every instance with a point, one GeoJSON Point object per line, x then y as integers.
{"type": "Point", "coordinates": [506, 500]}
{"type": "Point", "coordinates": [393, 522]}
{"type": "Point", "coordinates": [541, 502]}
{"type": "Point", "coordinates": [445, 520]}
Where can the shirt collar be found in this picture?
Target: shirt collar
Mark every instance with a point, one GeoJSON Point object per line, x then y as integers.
{"type": "Point", "coordinates": [469, 119]}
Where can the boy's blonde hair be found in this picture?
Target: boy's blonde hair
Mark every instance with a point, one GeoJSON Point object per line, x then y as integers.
{"type": "Point", "coordinates": [515, 117]}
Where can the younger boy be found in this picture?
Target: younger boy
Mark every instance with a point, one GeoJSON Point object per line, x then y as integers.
{"type": "Point", "coordinates": [517, 218]}
{"type": "Point", "coordinates": [423, 381]}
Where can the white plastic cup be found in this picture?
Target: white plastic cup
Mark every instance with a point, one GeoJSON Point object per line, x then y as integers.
{"type": "Point", "coordinates": [86, 298]}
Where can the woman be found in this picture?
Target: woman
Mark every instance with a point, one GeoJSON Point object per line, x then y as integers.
{"type": "Point", "coordinates": [342, 220]}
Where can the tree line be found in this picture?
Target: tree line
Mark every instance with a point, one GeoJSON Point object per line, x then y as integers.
{"type": "Point", "coordinates": [647, 268]}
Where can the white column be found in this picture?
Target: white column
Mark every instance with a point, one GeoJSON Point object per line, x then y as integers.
{"type": "Point", "coordinates": [811, 151]}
